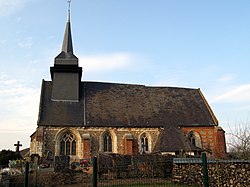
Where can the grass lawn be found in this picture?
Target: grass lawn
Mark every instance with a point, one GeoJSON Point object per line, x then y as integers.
{"type": "Point", "coordinates": [134, 183]}
{"type": "Point", "coordinates": [151, 185]}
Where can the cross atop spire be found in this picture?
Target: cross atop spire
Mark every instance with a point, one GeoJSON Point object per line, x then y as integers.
{"type": "Point", "coordinates": [69, 1]}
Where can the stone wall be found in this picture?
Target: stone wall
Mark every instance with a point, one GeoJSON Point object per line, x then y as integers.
{"type": "Point", "coordinates": [233, 174]}
{"type": "Point", "coordinates": [52, 137]}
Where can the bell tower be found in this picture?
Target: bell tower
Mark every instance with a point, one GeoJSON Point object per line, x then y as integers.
{"type": "Point", "coordinates": [66, 74]}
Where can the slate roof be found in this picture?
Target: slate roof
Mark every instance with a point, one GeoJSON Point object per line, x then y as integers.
{"type": "Point", "coordinates": [172, 139]}
{"type": "Point", "coordinates": [126, 105]}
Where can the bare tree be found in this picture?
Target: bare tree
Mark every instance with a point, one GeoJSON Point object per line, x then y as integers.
{"type": "Point", "coordinates": [239, 141]}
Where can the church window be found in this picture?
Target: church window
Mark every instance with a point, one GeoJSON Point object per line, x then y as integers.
{"type": "Point", "coordinates": [107, 147]}
{"type": "Point", "coordinates": [194, 139]}
{"type": "Point", "coordinates": [73, 147]}
{"type": "Point", "coordinates": [144, 143]}
{"type": "Point", "coordinates": [68, 144]}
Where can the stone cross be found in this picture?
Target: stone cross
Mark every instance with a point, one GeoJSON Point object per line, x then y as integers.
{"type": "Point", "coordinates": [18, 145]}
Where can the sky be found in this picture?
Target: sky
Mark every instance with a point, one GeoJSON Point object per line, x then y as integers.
{"type": "Point", "coordinates": [172, 43]}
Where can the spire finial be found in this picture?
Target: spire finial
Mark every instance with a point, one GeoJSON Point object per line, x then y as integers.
{"type": "Point", "coordinates": [69, 1]}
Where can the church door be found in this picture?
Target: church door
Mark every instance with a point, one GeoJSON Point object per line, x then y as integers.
{"type": "Point", "coordinates": [129, 147]}
{"type": "Point", "coordinates": [86, 148]}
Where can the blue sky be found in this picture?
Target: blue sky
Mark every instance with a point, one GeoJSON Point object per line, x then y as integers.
{"type": "Point", "coordinates": [180, 43]}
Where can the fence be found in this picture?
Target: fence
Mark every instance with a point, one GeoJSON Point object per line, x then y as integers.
{"type": "Point", "coordinates": [142, 170]}
{"type": "Point", "coordinates": [45, 177]}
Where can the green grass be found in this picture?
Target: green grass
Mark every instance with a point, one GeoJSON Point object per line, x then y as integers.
{"type": "Point", "coordinates": [164, 184]}
{"type": "Point", "coordinates": [150, 185]}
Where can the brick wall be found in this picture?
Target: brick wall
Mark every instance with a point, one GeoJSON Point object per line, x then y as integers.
{"type": "Point", "coordinates": [212, 139]}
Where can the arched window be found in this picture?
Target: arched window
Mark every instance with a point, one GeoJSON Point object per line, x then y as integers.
{"type": "Point", "coordinates": [144, 143]}
{"type": "Point", "coordinates": [191, 138]}
{"type": "Point", "coordinates": [68, 144]}
{"type": "Point", "coordinates": [107, 143]}
{"type": "Point", "coordinates": [194, 139]}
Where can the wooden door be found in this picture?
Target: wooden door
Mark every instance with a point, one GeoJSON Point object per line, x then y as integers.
{"type": "Point", "coordinates": [129, 147]}
{"type": "Point", "coordinates": [86, 148]}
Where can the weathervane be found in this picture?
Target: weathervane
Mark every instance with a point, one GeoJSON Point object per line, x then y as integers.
{"type": "Point", "coordinates": [69, 1]}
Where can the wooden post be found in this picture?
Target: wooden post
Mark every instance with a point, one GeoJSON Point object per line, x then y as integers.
{"type": "Point", "coordinates": [204, 165]}
{"type": "Point", "coordinates": [94, 178]}
{"type": "Point", "coordinates": [26, 178]}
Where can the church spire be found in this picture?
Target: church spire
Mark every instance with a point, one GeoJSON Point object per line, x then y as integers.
{"type": "Point", "coordinates": [67, 46]}
{"type": "Point", "coordinates": [67, 57]}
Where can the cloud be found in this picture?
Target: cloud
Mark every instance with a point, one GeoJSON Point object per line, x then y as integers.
{"type": "Point", "coordinates": [239, 93]}
{"type": "Point", "coordinates": [226, 78]}
{"type": "Point", "coordinates": [19, 105]}
{"type": "Point", "coordinates": [8, 7]}
{"type": "Point", "coordinates": [26, 42]}
{"type": "Point", "coordinates": [105, 62]}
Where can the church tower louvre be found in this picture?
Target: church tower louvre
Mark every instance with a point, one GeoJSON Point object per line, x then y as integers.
{"type": "Point", "coordinates": [66, 74]}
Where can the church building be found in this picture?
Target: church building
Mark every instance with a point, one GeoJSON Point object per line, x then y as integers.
{"type": "Point", "coordinates": [82, 118]}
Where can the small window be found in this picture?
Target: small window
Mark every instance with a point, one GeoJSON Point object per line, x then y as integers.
{"type": "Point", "coordinates": [68, 144]}
{"type": "Point", "coordinates": [107, 147]}
{"type": "Point", "coordinates": [191, 138]}
{"type": "Point", "coordinates": [194, 139]}
{"type": "Point", "coordinates": [144, 143]}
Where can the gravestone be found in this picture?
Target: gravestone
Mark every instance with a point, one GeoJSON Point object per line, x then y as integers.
{"type": "Point", "coordinates": [61, 163]}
